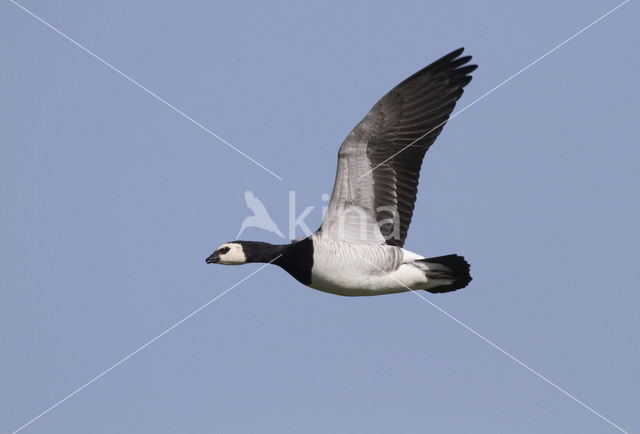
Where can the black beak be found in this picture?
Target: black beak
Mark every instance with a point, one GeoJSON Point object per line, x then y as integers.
{"type": "Point", "coordinates": [214, 258]}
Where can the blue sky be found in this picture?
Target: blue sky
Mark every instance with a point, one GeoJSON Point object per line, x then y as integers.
{"type": "Point", "coordinates": [112, 200]}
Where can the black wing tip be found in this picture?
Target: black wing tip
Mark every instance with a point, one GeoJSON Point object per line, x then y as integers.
{"type": "Point", "coordinates": [468, 68]}
{"type": "Point", "coordinates": [450, 64]}
{"type": "Point", "coordinates": [455, 53]}
{"type": "Point", "coordinates": [454, 60]}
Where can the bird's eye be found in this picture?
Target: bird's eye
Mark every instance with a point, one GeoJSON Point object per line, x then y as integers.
{"type": "Point", "coordinates": [223, 250]}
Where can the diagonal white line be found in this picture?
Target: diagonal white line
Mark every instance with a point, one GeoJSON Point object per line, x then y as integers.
{"type": "Point", "coordinates": [489, 92]}
{"type": "Point", "coordinates": [180, 112]}
{"type": "Point", "coordinates": [512, 357]}
{"type": "Point", "coordinates": [106, 371]}
{"type": "Point", "coordinates": [530, 369]}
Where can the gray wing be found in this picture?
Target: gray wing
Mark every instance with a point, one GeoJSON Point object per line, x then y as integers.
{"type": "Point", "coordinates": [379, 161]}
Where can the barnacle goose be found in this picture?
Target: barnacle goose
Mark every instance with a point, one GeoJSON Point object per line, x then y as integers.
{"type": "Point", "coordinates": [358, 249]}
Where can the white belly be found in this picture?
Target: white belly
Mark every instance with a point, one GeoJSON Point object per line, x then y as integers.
{"type": "Point", "coordinates": [358, 269]}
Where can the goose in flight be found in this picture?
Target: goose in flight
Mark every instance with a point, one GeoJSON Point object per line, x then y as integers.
{"type": "Point", "coordinates": [260, 218]}
{"type": "Point", "coordinates": [358, 250]}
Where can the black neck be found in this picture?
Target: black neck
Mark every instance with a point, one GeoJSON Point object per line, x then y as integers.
{"type": "Point", "coordinates": [257, 251]}
{"type": "Point", "coordinates": [295, 258]}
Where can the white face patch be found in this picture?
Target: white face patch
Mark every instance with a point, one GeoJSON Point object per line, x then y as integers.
{"type": "Point", "coordinates": [231, 254]}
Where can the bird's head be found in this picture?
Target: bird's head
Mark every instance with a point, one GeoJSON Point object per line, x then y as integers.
{"type": "Point", "coordinates": [228, 254]}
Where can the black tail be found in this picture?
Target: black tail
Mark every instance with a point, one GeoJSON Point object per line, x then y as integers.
{"type": "Point", "coordinates": [448, 268]}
